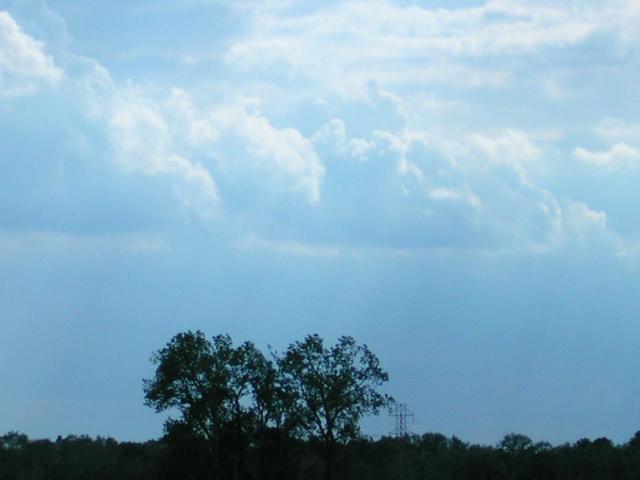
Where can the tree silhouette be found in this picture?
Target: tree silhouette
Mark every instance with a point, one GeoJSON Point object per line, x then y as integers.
{"type": "Point", "coordinates": [335, 387]}
{"type": "Point", "coordinates": [238, 402]}
{"type": "Point", "coordinates": [200, 379]}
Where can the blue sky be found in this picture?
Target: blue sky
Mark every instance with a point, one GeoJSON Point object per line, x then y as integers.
{"type": "Point", "coordinates": [452, 183]}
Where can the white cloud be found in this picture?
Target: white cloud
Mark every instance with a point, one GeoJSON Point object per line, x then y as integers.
{"type": "Point", "coordinates": [406, 44]}
{"type": "Point", "coordinates": [154, 137]}
{"type": "Point", "coordinates": [511, 147]}
{"type": "Point", "coordinates": [584, 227]}
{"type": "Point", "coordinates": [143, 144]}
{"type": "Point", "coordinates": [24, 65]}
{"type": "Point", "coordinates": [618, 156]}
{"type": "Point", "coordinates": [620, 18]}
{"type": "Point", "coordinates": [583, 219]}
{"type": "Point", "coordinates": [410, 169]}
{"type": "Point", "coordinates": [178, 137]}
{"type": "Point", "coordinates": [443, 194]}
{"type": "Point", "coordinates": [333, 134]}
{"type": "Point", "coordinates": [291, 153]}
{"type": "Point", "coordinates": [287, 157]}
{"type": "Point", "coordinates": [193, 127]}
{"type": "Point", "coordinates": [616, 129]}
{"type": "Point", "coordinates": [158, 136]}
{"type": "Point", "coordinates": [479, 185]}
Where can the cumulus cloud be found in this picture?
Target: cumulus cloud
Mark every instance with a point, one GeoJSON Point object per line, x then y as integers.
{"type": "Point", "coordinates": [235, 138]}
{"type": "Point", "coordinates": [511, 146]}
{"type": "Point", "coordinates": [415, 182]}
{"type": "Point", "coordinates": [24, 65]}
{"type": "Point", "coordinates": [474, 191]}
{"type": "Point", "coordinates": [188, 142]}
{"type": "Point", "coordinates": [587, 228]}
{"type": "Point", "coordinates": [142, 143]}
{"type": "Point", "coordinates": [619, 156]}
{"type": "Point", "coordinates": [583, 219]}
{"type": "Point", "coordinates": [333, 135]}
{"type": "Point", "coordinates": [284, 153]}
{"type": "Point", "coordinates": [195, 128]}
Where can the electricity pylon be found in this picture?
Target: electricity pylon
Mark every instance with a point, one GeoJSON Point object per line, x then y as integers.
{"type": "Point", "coordinates": [401, 414]}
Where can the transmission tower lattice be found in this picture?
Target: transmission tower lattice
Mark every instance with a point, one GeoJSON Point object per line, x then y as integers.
{"type": "Point", "coordinates": [401, 414]}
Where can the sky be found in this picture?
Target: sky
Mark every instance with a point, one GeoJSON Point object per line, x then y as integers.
{"type": "Point", "coordinates": [454, 184]}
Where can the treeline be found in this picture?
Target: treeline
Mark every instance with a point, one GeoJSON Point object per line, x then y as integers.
{"type": "Point", "coordinates": [80, 458]}
{"type": "Point", "coordinates": [431, 456]}
{"type": "Point", "coordinates": [238, 414]}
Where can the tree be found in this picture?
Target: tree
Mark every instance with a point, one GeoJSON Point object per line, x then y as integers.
{"type": "Point", "coordinates": [199, 379]}
{"type": "Point", "coordinates": [334, 387]}
{"type": "Point", "coordinates": [275, 422]}
{"type": "Point", "coordinates": [515, 443]}
{"type": "Point", "coordinates": [635, 440]}
{"type": "Point", "coordinates": [237, 401]}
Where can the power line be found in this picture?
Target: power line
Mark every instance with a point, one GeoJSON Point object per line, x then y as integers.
{"type": "Point", "coordinates": [401, 413]}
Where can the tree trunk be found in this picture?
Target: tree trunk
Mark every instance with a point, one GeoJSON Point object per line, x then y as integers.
{"type": "Point", "coordinates": [263, 456]}
{"type": "Point", "coordinates": [214, 449]}
{"type": "Point", "coordinates": [330, 459]}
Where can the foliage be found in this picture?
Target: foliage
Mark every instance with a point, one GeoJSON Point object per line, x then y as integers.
{"type": "Point", "coordinates": [76, 458]}
{"type": "Point", "coordinates": [193, 377]}
{"type": "Point", "coordinates": [179, 455]}
{"type": "Point", "coordinates": [235, 399]}
{"type": "Point", "coordinates": [334, 387]}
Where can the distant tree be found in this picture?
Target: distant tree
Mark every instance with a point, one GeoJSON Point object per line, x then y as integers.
{"type": "Point", "coordinates": [433, 443]}
{"type": "Point", "coordinates": [515, 443]}
{"type": "Point", "coordinates": [13, 441]}
{"type": "Point", "coordinates": [334, 388]}
{"type": "Point", "coordinates": [635, 440]}
{"type": "Point", "coordinates": [603, 443]}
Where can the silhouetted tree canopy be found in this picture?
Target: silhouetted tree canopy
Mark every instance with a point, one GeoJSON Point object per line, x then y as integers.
{"type": "Point", "coordinates": [334, 388]}
{"type": "Point", "coordinates": [235, 399]}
